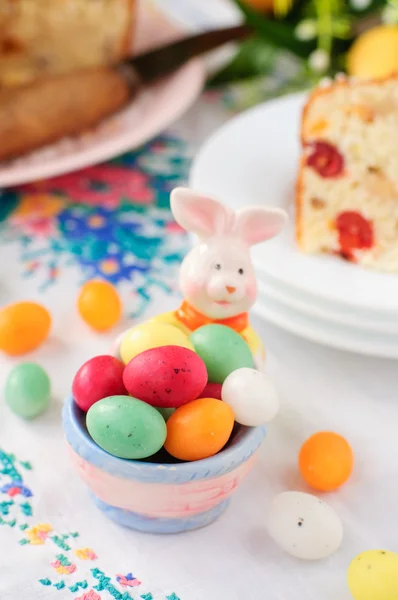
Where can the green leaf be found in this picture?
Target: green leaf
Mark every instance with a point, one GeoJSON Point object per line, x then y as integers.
{"type": "Point", "coordinates": [274, 32]}
{"type": "Point", "coordinates": [254, 57]}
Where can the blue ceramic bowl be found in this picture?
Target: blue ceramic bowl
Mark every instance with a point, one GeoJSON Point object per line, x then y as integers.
{"type": "Point", "coordinates": [160, 497]}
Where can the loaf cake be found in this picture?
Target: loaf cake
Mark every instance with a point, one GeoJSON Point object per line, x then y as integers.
{"type": "Point", "coordinates": [42, 37]}
{"type": "Point", "coordinates": [347, 188]}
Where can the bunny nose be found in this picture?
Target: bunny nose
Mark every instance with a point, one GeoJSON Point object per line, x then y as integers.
{"type": "Point", "coordinates": [230, 289]}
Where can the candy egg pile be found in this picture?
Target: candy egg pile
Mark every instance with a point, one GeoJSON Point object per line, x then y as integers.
{"type": "Point", "coordinates": [171, 390]}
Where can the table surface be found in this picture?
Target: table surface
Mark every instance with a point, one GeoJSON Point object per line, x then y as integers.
{"type": "Point", "coordinates": [58, 545]}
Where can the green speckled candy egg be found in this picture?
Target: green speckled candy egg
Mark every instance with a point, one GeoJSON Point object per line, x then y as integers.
{"type": "Point", "coordinates": [27, 390]}
{"type": "Point", "coordinates": [222, 350]}
{"type": "Point", "coordinates": [126, 427]}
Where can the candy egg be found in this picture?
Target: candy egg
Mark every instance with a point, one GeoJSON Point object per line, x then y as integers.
{"type": "Point", "coordinates": [23, 327]}
{"type": "Point", "coordinates": [165, 412]}
{"type": "Point", "coordinates": [212, 390]}
{"type": "Point", "coordinates": [151, 335]}
{"type": "Point", "coordinates": [166, 377]}
{"type": "Point", "coordinates": [373, 575]}
{"type": "Point", "coordinates": [326, 461]}
{"type": "Point", "coordinates": [99, 305]}
{"type": "Point", "coordinates": [252, 396]}
{"type": "Point", "coordinates": [304, 526]}
{"type": "Point", "coordinates": [27, 390]}
{"type": "Point", "coordinates": [222, 350]}
{"type": "Point", "coordinates": [98, 378]}
{"type": "Point", "coordinates": [126, 427]}
{"type": "Point", "coordinates": [199, 429]}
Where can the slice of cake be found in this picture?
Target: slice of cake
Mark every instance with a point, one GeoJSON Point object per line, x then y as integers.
{"type": "Point", "coordinates": [347, 189]}
{"type": "Point", "coordinates": [42, 37]}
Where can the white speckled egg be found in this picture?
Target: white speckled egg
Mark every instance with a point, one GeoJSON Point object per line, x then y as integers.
{"type": "Point", "coordinates": [252, 396]}
{"type": "Point", "coordinates": [304, 526]}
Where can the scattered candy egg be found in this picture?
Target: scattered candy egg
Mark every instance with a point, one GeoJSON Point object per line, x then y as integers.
{"type": "Point", "coordinates": [151, 335]}
{"type": "Point", "coordinates": [326, 461]}
{"type": "Point", "coordinates": [304, 526]}
{"type": "Point", "coordinates": [98, 378]}
{"type": "Point", "coordinates": [252, 397]}
{"type": "Point", "coordinates": [165, 412]}
{"type": "Point", "coordinates": [99, 305]}
{"type": "Point", "coordinates": [212, 390]}
{"type": "Point", "coordinates": [23, 327]}
{"type": "Point", "coordinates": [169, 376]}
{"type": "Point", "coordinates": [222, 350]}
{"type": "Point", "coordinates": [126, 427]}
{"type": "Point", "coordinates": [199, 429]}
{"type": "Point", "coordinates": [373, 575]}
{"type": "Point", "coordinates": [27, 390]}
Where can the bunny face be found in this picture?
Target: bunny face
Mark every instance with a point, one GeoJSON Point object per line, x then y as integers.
{"type": "Point", "coordinates": [218, 279]}
{"type": "Point", "coordinates": [217, 276]}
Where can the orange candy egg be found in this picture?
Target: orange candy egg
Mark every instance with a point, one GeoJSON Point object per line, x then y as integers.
{"type": "Point", "coordinates": [23, 327]}
{"type": "Point", "coordinates": [326, 461]}
{"type": "Point", "coordinates": [199, 429]}
{"type": "Point", "coordinates": [99, 305]}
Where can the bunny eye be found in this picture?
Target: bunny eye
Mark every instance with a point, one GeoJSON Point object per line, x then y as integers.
{"type": "Point", "coordinates": [217, 267]}
{"type": "Point", "coordinates": [241, 271]}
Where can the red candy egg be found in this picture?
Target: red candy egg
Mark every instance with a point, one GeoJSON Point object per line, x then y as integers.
{"type": "Point", "coordinates": [98, 378]}
{"type": "Point", "coordinates": [212, 390]}
{"type": "Point", "coordinates": [166, 377]}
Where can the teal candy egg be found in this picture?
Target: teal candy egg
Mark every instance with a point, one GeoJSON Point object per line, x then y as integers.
{"type": "Point", "coordinates": [126, 427]}
{"type": "Point", "coordinates": [222, 350]}
{"type": "Point", "coordinates": [27, 390]}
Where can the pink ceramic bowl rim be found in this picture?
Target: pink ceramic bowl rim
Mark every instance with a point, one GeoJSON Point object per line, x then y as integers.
{"type": "Point", "coordinates": [243, 444]}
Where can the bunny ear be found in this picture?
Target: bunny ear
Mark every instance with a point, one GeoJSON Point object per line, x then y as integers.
{"type": "Point", "coordinates": [199, 214]}
{"type": "Point", "coordinates": [258, 224]}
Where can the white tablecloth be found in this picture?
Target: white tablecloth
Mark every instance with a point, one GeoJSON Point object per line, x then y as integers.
{"type": "Point", "coordinates": [66, 549]}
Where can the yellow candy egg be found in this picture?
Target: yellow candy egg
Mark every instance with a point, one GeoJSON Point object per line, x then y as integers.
{"type": "Point", "coordinates": [151, 335]}
{"type": "Point", "coordinates": [373, 575]}
{"type": "Point", "coordinates": [374, 53]}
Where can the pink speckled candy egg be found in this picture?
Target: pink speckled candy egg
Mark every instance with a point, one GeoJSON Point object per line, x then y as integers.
{"type": "Point", "coordinates": [166, 377]}
{"type": "Point", "coordinates": [212, 390]}
{"type": "Point", "coordinates": [98, 378]}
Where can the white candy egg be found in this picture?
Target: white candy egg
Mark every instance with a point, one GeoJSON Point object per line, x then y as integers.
{"type": "Point", "coordinates": [304, 526]}
{"type": "Point", "coordinates": [252, 396]}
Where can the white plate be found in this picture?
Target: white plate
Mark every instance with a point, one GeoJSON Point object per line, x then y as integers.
{"type": "Point", "coordinates": [317, 331]}
{"type": "Point", "coordinates": [253, 160]}
{"type": "Point", "coordinates": [148, 114]}
{"type": "Point", "coordinates": [305, 305]}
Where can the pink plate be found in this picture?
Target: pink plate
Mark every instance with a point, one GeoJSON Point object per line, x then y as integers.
{"type": "Point", "coordinates": [148, 114]}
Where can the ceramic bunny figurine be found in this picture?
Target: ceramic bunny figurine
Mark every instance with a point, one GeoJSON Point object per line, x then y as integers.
{"type": "Point", "coordinates": [217, 278]}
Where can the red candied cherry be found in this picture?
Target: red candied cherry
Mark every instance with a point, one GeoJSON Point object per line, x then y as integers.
{"type": "Point", "coordinates": [355, 232]}
{"type": "Point", "coordinates": [326, 160]}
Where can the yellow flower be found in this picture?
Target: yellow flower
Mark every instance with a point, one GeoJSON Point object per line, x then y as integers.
{"type": "Point", "coordinates": [85, 554]}
{"type": "Point", "coordinates": [375, 53]}
{"type": "Point", "coordinates": [37, 535]}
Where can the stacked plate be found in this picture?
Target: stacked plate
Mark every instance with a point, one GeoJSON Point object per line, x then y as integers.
{"type": "Point", "coordinates": [253, 160]}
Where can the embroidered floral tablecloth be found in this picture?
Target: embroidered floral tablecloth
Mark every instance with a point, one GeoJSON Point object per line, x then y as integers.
{"type": "Point", "coordinates": [54, 543]}
{"type": "Point", "coordinates": [121, 212]}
